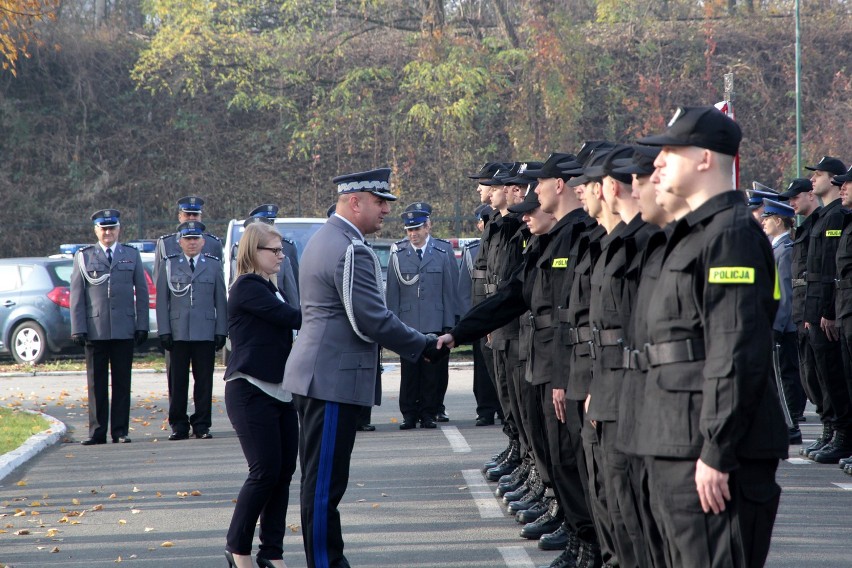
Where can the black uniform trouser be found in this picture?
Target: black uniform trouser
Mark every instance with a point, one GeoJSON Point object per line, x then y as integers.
{"type": "Point", "coordinates": [655, 550]}
{"type": "Point", "coordinates": [105, 359]}
{"type": "Point", "coordinates": [537, 430]}
{"type": "Point", "coordinates": [325, 450]}
{"type": "Point", "coordinates": [488, 402]}
{"type": "Point", "coordinates": [788, 356]}
{"type": "Point", "coordinates": [268, 431]}
{"type": "Point", "coordinates": [846, 349]}
{"type": "Point", "coordinates": [568, 475]}
{"type": "Point", "coordinates": [807, 369]}
{"type": "Point", "coordinates": [597, 491]}
{"type": "Point", "coordinates": [505, 364]}
{"type": "Point", "coordinates": [420, 389]}
{"type": "Point", "coordinates": [622, 500]}
{"type": "Point", "coordinates": [201, 355]}
{"type": "Point", "coordinates": [837, 409]}
{"type": "Point", "coordinates": [738, 537]}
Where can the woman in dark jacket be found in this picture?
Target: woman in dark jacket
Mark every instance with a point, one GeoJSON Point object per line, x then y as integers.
{"type": "Point", "coordinates": [260, 325]}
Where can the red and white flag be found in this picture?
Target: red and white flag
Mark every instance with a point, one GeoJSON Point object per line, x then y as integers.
{"type": "Point", "coordinates": [728, 108]}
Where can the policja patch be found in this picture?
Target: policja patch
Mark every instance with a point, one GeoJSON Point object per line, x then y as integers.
{"type": "Point", "coordinates": [731, 275]}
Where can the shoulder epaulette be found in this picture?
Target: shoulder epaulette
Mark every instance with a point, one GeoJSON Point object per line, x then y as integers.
{"type": "Point", "coordinates": [211, 235]}
{"type": "Point", "coordinates": [175, 255]}
{"type": "Point", "coordinates": [166, 236]}
{"type": "Point", "coordinates": [84, 248]}
{"type": "Point", "coordinates": [401, 242]}
{"type": "Point", "coordinates": [213, 256]}
{"type": "Point", "coordinates": [471, 244]}
{"type": "Point", "coordinates": [442, 240]}
{"type": "Point", "coordinates": [439, 249]}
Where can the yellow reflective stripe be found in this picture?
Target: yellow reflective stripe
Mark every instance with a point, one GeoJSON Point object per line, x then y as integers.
{"type": "Point", "coordinates": [524, 244]}
{"type": "Point", "coordinates": [833, 233]}
{"type": "Point", "coordinates": [731, 275]}
{"type": "Point", "coordinates": [560, 263]}
{"type": "Point", "coordinates": [776, 293]}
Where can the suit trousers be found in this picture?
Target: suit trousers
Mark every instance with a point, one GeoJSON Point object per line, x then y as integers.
{"type": "Point", "coordinates": [807, 369]}
{"type": "Point", "coordinates": [104, 359]}
{"type": "Point", "coordinates": [201, 355]}
{"type": "Point", "coordinates": [325, 449]}
{"type": "Point", "coordinates": [738, 537]}
{"type": "Point", "coordinates": [506, 371]}
{"type": "Point", "coordinates": [568, 475]}
{"type": "Point", "coordinates": [420, 389]}
{"type": "Point", "coordinates": [836, 405]}
{"type": "Point", "coordinates": [794, 394]}
{"type": "Point", "coordinates": [488, 403]}
{"type": "Point", "coordinates": [597, 491]}
{"type": "Point", "coordinates": [268, 431]}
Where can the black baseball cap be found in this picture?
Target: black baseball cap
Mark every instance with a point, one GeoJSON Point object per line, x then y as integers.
{"type": "Point", "coordinates": [828, 164]}
{"type": "Point", "coordinates": [640, 163]}
{"type": "Point", "coordinates": [841, 179]}
{"type": "Point", "coordinates": [487, 170]}
{"type": "Point", "coordinates": [530, 203]}
{"type": "Point", "coordinates": [797, 186]}
{"type": "Point", "coordinates": [705, 127]}
{"type": "Point", "coordinates": [607, 167]}
{"type": "Point", "coordinates": [550, 168]}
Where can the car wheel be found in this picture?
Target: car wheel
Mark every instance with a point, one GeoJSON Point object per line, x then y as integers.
{"type": "Point", "coordinates": [29, 343]}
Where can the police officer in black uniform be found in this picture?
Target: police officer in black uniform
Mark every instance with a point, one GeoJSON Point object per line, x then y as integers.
{"type": "Point", "coordinates": [717, 431]}
{"type": "Point", "coordinates": [843, 301]}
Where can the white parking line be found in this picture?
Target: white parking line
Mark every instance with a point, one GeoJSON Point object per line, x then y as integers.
{"type": "Point", "coordinates": [515, 557]}
{"type": "Point", "coordinates": [844, 486]}
{"type": "Point", "coordinates": [482, 495]}
{"type": "Point", "coordinates": [456, 440]}
{"type": "Point", "coordinates": [799, 461]}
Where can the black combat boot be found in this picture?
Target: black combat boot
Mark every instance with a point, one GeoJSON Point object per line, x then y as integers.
{"type": "Point", "coordinates": [531, 514]}
{"type": "Point", "coordinates": [820, 442]}
{"type": "Point", "coordinates": [497, 458]}
{"type": "Point", "coordinates": [515, 480]}
{"type": "Point", "coordinates": [550, 521]}
{"type": "Point", "coordinates": [508, 465]}
{"type": "Point", "coordinates": [589, 556]}
{"type": "Point", "coordinates": [531, 499]}
{"type": "Point", "coordinates": [840, 447]}
{"type": "Point", "coordinates": [568, 559]}
{"type": "Point", "coordinates": [559, 539]}
{"type": "Point", "coordinates": [524, 488]}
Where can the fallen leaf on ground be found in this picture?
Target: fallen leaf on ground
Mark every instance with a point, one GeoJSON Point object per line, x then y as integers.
{"type": "Point", "coordinates": [167, 544]}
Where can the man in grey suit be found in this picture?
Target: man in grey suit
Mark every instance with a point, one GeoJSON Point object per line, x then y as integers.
{"type": "Point", "coordinates": [421, 291]}
{"type": "Point", "coordinates": [192, 321]}
{"type": "Point", "coordinates": [332, 368]}
{"type": "Point", "coordinates": [109, 312]}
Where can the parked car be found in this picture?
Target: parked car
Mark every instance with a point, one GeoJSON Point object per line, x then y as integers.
{"type": "Point", "coordinates": [382, 248]}
{"type": "Point", "coordinates": [35, 297]}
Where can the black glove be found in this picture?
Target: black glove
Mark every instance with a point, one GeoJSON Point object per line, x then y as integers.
{"type": "Point", "coordinates": [166, 341]}
{"type": "Point", "coordinates": [140, 337]}
{"type": "Point", "coordinates": [80, 339]}
{"type": "Point", "coordinates": [219, 341]}
{"type": "Point", "coordinates": [431, 354]}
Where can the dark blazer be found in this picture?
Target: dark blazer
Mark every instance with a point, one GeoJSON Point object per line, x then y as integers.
{"type": "Point", "coordinates": [261, 329]}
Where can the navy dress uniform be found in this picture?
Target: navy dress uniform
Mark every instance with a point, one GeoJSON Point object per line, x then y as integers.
{"type": "Point", "coordinates": [332, 367]}
{"type": "Point", "coordinates": [168, 245]}
{"type": "Point", "coordinates": [192, 322]}
{"type": "Point", "coordinates": [109, 313]}
{"type": "Point", "coordinates": [421, 291]}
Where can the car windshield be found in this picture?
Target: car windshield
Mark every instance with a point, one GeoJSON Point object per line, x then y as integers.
{"type": "Point", "coordinates": [60, 272]}
{"type": "Point", "coordinates": [384, 255]}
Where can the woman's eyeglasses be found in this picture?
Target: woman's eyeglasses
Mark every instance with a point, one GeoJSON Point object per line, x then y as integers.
{"type": "Point", "coordinates": [274, 250]}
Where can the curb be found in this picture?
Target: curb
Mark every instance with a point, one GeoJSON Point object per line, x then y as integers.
{"type": "Point", "coordinates": [35, 444]}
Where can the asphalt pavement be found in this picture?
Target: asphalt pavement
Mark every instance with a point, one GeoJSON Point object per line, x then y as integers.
{"type": "Point", "coordinates": [415, 498]}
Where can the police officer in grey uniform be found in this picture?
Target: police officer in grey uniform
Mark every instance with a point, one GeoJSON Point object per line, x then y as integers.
{"type": "Point", "coordinates": [189, 209]}
{"type": "Point", "coordinates": [421, 291]}
{"type": "Point", "coordinates": [109, 313]}
{"type": "Point", "coordinates": [192, 321]}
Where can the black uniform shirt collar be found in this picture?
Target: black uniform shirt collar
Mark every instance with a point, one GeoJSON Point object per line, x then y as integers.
{"type": "Point", "coordinates": [827, 209]}
{"type": "Point", "coordinates": [617, 233]}
{"type": "Point", "coordinates": [712, 206]}
{"type": "Point", "coordinates": [633, 226]}
{"type": "Point", "coordinates": [569, 218]}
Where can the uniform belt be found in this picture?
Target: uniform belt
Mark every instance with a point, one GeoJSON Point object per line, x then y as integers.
{"type": "Point", "coordinates": [490, 288]}
{"type": "Point", "coordinates": [578, 335]}
{"type": "Point", "coordinates": [541, 322]}
{"type": "Point", "coordinates": [607, 337]}
{"type": "Point", "coordinates": [480, 274]}
{"type": "Point", "coordinates": [843, 283]}
{"type": "Point", "coordinates": [685, 350]}
{"type": "Point", "coordinates": [799, 282]}
{"type": "Point", "coordinates": [633, 359]}
{"type": "Point", "coordinates": [562, 315]}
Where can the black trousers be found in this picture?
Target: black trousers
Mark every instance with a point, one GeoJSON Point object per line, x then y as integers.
{"type": "Point", "coordinates": [488, 403]}
{"type": "Point", "coordinates": [568, 475]}
{"type": "Point", "coordinates": [655, 549]}
{"type": "Point", "coordinates": [506, 367]}
{"type": "Point", "coordinates": [788, 353]}
{"type": "Point", "coordinates": [421, 389]}
{"type": "Point", "coordinates": [201, 355]}
{"type": "Point", "coordinates": [836, 405]}
{"type": "Point", "coordinates": [268, 431]}
{"type": "Point", "coordinates": [846, 346]}
{"type": "Point", "coordinates": [104, 358]}
{"type": "Point", "coordinates": [325, 449]}
{"type": "Point", "coordinates": [597, 491]}
{"type": "Point", "coordinates": [807, 369]}
{"type": "Point", "coordinates": [738, 537]}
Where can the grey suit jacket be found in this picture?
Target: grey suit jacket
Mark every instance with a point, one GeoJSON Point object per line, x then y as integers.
{"type": "Point", "coordinates": [431, 303]}
{"type": "Point", "coordinates": [201, 312]}
{"type": "Point", "coordinates": [329, 361]}
{"type": "Point", "coordinates": [116, 308]}
{"type": "Point", "coordinates": [783, 251]}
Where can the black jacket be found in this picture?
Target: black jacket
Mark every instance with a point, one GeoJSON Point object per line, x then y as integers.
{"type": "Point", "coordinates": [822, 255]}
{"type": "Point", "coordinates": [801, 241]}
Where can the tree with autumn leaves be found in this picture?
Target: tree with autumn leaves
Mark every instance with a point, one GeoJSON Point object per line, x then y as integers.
{"type": "Point", "coordinates": [18, 21]}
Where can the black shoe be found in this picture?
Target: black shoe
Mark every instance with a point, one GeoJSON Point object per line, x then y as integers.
{"type": "Point", "coordinates": [121, 440]}
{"type": "Point", "coordinates": [484, 421]}
{"type": "Point", "coordinates": [795, 436]}
{"type": "Point", "coordinates": [263, 562]}
{"type": "Point", "coordinates": [408, 425]}
{"type": "Point", "coordinates": [534, 513]}
{"type": "Point", "coordinates": [848, 469]}
{"type": "Point", "coordinates": [498, 458]}
{"type": "Point", "coordinates": [515, 480]}
{"type": "Point", "coordinates": [556, 540]}
{"type": "Point", "coordinates": [565, 560]}
{"type": "Point", "coordinates": [524, 488]}
{"type": "Point", "coordinates": [366, 428]}
{"type": "Point", "coordinates": [92, 442]}
{"type": "Point", "coordinates": [531, 499]}
{"type": "Point", "coordinates": [589, 555]}
{"type": "Point", "coordinates": [845, 461]}
{"type": "Point", "coordinates": [426, 423]}
{"type": "Point", "coordinates": [838, 449]}
{"type": "Point", "coordinates": [442, 417]}
{"type": "Point", "coordinates": [822, 441]}
{"type": "Point", "coordinates": [204, 436]}
{"type": "Point", "coordinates": [548, 522]}
{"type": "Point", "coordinates": [507, 467]}
{"type": "Point", "coordinates": [179, 436]}
{"type": "Point", "coordinates": [230, 558]}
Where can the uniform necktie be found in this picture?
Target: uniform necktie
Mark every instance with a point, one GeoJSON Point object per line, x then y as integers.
{"type": "Point", "coordinates": [192, 264]}
{"type": "Point", "coordinates": [109, 255]}
{"type": "Point", "coordinates": [420, 254]}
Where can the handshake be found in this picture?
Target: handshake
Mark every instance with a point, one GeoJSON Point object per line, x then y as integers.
{"type": "Point", "coordinates": [437, 348]}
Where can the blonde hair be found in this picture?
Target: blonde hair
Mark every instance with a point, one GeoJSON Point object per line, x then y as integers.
{"type": "Point", "coordinates": [255, 235]}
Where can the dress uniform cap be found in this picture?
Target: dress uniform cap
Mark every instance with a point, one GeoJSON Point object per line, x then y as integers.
{"type": "Point", "coordinates": [375, 181]}
{"type": "Point", "coordinates": [267, 211]}
{"type": "Point", "coordinates": [106, 217]}
{"type": "Point", "coordinates": [550, 168]}
{"type": "Point", "coordinates": [757, 186]}
{"type": "Point", "coordinates": [797, 186]}
{"type": "Point", "coordinates": [828, 164]}
{"type": "Point", "coordinates": [705, 127]}
{"type": "Point", "coordinates": [191, 229]}
{"type": "Point", "coordinates": [530, 203]}
{"type": "Point", "coordinates": [841, 179]}
{"type": "Point", "coordinates": [640, 163]}
{"type": "Point", "coordinates": [419, 206]}
{"type": "Point", "coordinates": [331, 210]}
{"type": "Point", "coordinates": [483, 211]}
{"type": "Point", "coordinates": [756, 197]}
{"type": "Point", "coordinates": [414, 219]}
{"type": "Point", "coordinates": [190, 204]}
{"type": "Point", "coordinates": [772, 207]}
